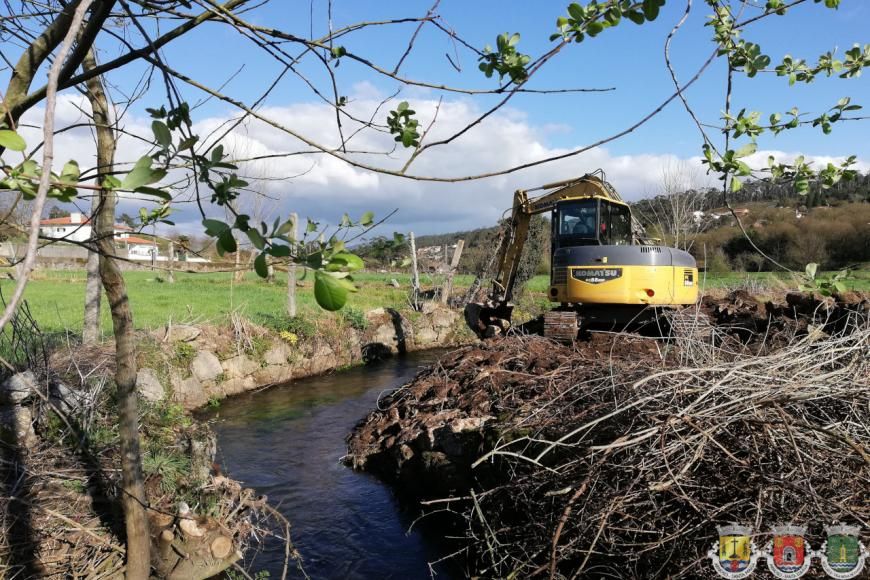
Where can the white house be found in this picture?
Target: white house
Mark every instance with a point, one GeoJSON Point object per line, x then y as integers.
{"type": "Point", "coordinates": [77, 228]}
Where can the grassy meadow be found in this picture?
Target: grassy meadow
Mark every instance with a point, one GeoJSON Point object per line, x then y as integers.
{"type": "Point", "coordinates": [56, 297]}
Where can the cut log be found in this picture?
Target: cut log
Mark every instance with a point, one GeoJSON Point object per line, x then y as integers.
{"type": "Point", "coordinates": [221, 547]}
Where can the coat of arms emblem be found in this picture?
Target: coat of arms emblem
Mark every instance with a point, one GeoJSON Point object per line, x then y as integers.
{"type": "Point", "coordinates": [734, 555]}
{"type": "Point", "coordinates": [788, 554]}
{"type": "Point", "coordinates": [843, 554]}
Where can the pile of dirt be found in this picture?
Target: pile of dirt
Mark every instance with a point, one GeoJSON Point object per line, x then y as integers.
{"type": "Point", "coordinates": [619, 456]}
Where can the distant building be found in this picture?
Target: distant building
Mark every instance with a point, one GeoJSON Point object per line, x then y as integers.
{"type": "Point", "coordinates": [77, 228]}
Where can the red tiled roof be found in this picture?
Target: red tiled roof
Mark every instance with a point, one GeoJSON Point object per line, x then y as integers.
{"type": "Point", "coordinates": [135, 240]}
{"type": "Point", "coordinates": [66, 221]}
{"type": "Point", "coordinates": [62, 221]}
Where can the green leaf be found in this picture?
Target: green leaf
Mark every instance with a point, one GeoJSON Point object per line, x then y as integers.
{"type": "Point", "coordinates": [811, 270]}
{"type": "Point", "coordinates": [260, 266]}
{"type": "Point", "coordinates": [12, 140]}
{"type": "Point", "coordinates": [576, 11]}
{"type": "Point", "coordinates": [367, 218]}
{"type": "Point", "coordinates": [279, 251]}
{"type": "Point", "coordinates": [593, 28]}
{"type": "Point", "coordinates": [188, 143]}
{"type": "Point", "coordinates": [636, 17]}
{"type": "Point", "coordinates": [227, 241]}
{"type": "Point", "coordinates": [70, 172]}
{"type": "Point", "coordinates": [736, 184]}
{"type": "Point", "coordinates": [256, 239]}
{"type": "Point", "coordinates": [154, 191]}
{"type": "Point", "coordinates": [161, 134]}
{"type": "Point", "coordinates": [344, 262]}
{"type": "Point", "coordinates": [285, 228]}
{"type": "Point", "coordinates": [329, 292]}
{"type": "Point", "coordinates": [650, 9]}
{"type": "Point", "coordinates": [214, 227]}
{"type": "Point", "coordinates": [142, 174]}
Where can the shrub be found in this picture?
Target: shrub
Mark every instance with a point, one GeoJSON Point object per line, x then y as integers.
{"type": "Point", "coordinates": [355, 317]}
{"type": "Point", "coordinates": [184, 354]}
{"type": "Point", "coordinates": [298, 325]}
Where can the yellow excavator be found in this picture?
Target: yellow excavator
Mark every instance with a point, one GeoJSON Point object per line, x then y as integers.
{"type": "Point", "coordinates": [605, 270]}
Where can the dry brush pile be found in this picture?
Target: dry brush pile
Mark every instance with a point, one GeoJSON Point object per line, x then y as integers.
{"type": "Point", "coordinates": [618, 457]}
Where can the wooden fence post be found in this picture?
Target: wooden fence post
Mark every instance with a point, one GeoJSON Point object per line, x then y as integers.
{"type": "Point", "coordinates": [454, 264]}
{"type": "Point", "coordinates": [171, 262]}
{"type": "Point", "coordinates": [291, 269]}
{"type": "Point", "coordinates": [415, 275]}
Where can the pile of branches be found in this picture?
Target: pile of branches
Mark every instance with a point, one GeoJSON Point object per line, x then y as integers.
{"type": "Point", "coordinates": [620, 461]}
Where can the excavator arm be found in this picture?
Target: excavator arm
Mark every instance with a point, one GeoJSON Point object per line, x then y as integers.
{"type": "Point", "coordinates": [493, 316]}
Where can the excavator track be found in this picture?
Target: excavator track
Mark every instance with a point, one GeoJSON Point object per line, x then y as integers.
{"type": "Point", "coordinates": [561, 325]}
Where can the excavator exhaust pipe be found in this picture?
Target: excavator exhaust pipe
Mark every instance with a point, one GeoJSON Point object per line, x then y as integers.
{"type": "Point", "coordinates": [488, 319]}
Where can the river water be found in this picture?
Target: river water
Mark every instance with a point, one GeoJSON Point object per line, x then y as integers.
{"type": "Point", "coordinates": [286, 442]}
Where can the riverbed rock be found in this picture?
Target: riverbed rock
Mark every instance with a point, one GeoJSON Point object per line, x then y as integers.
{"type": "Point", "coordinates": [425, 336]}
{"type": "Point", "coordinates": [182, 333]}
{"type": "Point", "coordinates": [443, 318]}
{"type": "Point", "coordinates": [149, 386]}
{"type": "Point", "coordinates": [278, 354]}
{"type": "Point", "coordinates": [206, 366]}
{"type": "Point", "coordinates": [273, 374]}
{"type": "Point", "coordinates": [375, 313]}
{"type": "Point", "coordinates": [322, 359]}
{"type": "Point", "coordinates": [18, 388]}
{"type": "Point", "coordinates": [66, 399]}
{"type": "Point", "coordinates": [188, 392]}
{"type": "Point", "coordinates": [16, 426]}
{"type": "Point", "coordinates": [238, 366]}
{"type": "Point", "coordinates": [233, 386]}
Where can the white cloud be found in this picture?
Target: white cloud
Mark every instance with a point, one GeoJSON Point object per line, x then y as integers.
{"type": "Point", "coordinates": [323, 187]}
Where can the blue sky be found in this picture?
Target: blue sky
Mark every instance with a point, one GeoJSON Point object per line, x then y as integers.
{"type": "Point", "coordinates": [628, 58]}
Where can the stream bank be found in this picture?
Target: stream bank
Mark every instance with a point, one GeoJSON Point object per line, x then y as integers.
{"type": "Point", "coordinates": [194, 366]}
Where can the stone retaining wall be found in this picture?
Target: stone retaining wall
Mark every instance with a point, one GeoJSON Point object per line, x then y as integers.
{"type": "Point", "coordinates": [212, 373]}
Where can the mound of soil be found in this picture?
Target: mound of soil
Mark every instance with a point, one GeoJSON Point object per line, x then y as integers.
{"type": "Point", "coordinates": [618, 456]}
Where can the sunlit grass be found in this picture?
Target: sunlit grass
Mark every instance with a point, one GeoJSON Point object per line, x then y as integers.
{"type": "Point", "coordinates": [56, 297]}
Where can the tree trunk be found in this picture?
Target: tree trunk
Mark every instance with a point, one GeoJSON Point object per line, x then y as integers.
{"type": "Point", "coordinates": [291, 270]}
{"type": "Point", "coordinates": [93, 286]}
{"type": "Point", "coordinates": [133, 497]}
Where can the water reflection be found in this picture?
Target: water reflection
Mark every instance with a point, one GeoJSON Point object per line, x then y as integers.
{"type": "Point", "coordinates": [286, 442]}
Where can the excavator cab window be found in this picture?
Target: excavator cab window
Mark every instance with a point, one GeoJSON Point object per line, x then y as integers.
{"type": "Point", "coordinates": [578, 223]}
{"type": "Point", "coordinates": [615, 224]}
{"type": "Point", "coordinates": [591, 222]}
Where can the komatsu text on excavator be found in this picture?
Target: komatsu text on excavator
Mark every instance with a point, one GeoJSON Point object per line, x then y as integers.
{"type": "Point", "coordinates": [605, 270]}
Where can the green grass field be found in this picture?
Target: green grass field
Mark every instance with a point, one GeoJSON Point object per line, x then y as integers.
{"type": "Point", "coordinates": [56, 297]}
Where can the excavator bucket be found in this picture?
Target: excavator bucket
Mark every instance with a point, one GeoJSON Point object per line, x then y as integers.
{"type": "Point", "coordinates": [488, 319]}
